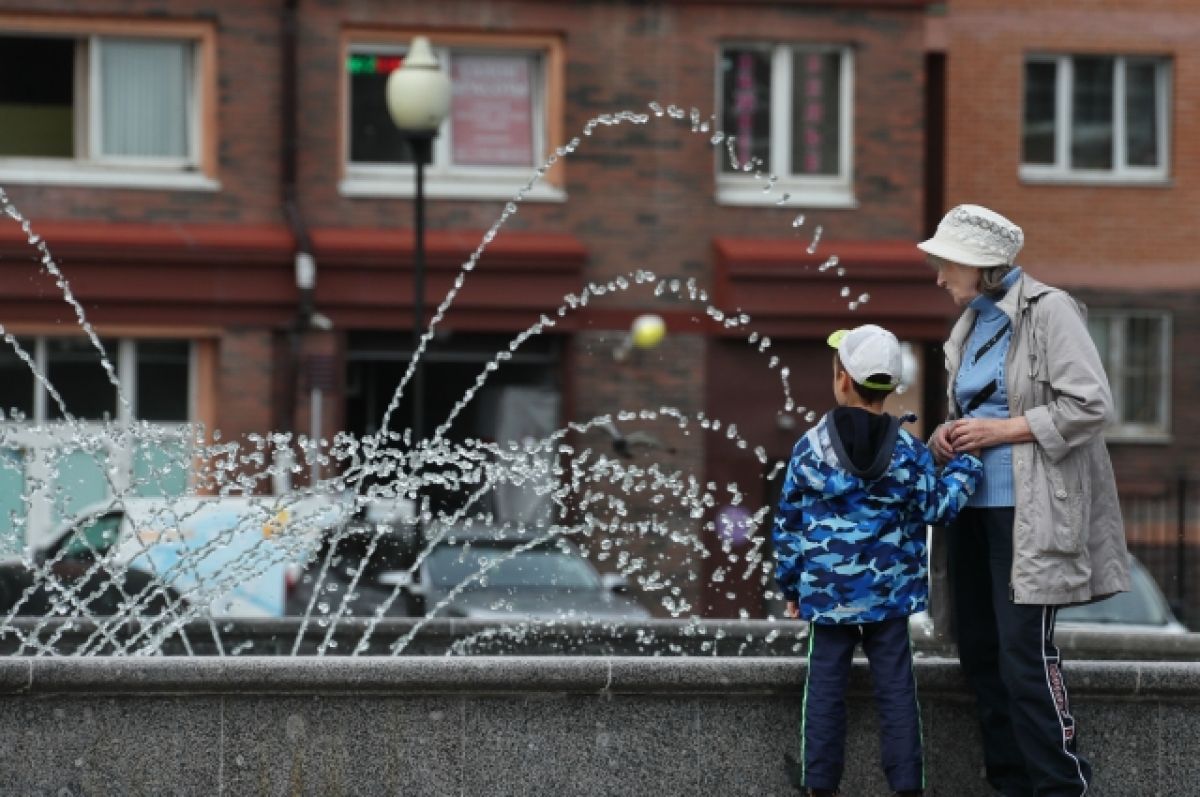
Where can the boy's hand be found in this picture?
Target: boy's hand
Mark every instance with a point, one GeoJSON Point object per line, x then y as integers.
{"type": "Point", "coordinates": [940, 445]}
{"type": "Point", "coordinates": [792, 610]}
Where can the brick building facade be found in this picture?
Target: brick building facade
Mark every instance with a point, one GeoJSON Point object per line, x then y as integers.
{"type": "Point", "coordinates": [283, 153]}
{"type": "Point", "coordinates": [1079, 120]}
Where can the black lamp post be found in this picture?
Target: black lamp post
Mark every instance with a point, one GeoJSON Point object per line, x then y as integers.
{"type": "Point", "coordinates": [418, 98]}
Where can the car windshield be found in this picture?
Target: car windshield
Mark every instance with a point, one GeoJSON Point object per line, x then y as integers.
{"type": "Point", "coordinates": [450, 565]}
{"type": "Point", "coordinates": [1142, 605]}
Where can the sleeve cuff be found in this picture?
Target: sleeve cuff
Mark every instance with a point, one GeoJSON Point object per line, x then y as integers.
{"type": "Point", "coordinates": [1044, 431]}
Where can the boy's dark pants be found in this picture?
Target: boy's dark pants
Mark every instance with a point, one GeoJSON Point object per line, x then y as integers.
{"type": "Point", "coordinates": [1008, 656]}
{"type": "Point", "coordinates": [823, 727]}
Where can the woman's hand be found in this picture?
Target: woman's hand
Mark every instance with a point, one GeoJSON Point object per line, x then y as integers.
{"type": "Point", "coordinates": [976, 434]}
{"type": "Point", "coordinates": [940, 445]}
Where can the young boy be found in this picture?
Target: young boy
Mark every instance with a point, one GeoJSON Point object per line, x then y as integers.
{"type": "Point", "coordinates": [850, 558]}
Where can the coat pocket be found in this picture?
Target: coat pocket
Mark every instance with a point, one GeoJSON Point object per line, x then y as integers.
{"type": "Point", "coordinates": [1059, 528]}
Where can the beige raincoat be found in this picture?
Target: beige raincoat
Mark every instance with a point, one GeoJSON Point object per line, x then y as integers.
{"type": "Point", "coordinates": [1068, 536]}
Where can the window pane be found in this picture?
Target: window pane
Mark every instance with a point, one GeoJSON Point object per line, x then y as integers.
{"type": "Point", "coordinates": [1092, 114]}
{"type": "Point", "coordinates": [746, 105]}
{"type": "Point", "coordinates": [162, 380]}
{"type": "Point", "coordinates": [1141, 113]}
{"type": "Point", "coordinates": [1040, 102]}
{"type": "Point", "coordinates": [816, 103]}
{"type": "Point", "coordinates": [12, 507]}
{"type": "Point", "coordinates": [161, 467]}
{"type": "Point", "coordinates": [1143, 372]}
{"type": "Point", "coordinates": [38, 106]}
{"type": "Point", "coordinates": [73, 367]}
{"type": "Point", "coordinates": [1100, 328]}
{"type": "Point", "coordinates": [16, 380]}
{"type": "Point", "coordinates": [491, 111]}
{"type": "Point", "coordinates": [145, 92]}
{"type": "Point", "coordinates": [81, 482]}
{"type": "Point", "coordinates": [373, 136]}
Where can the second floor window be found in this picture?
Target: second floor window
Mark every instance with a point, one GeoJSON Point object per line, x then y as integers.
{"type": "Point", "coordinates": [1096, 117]}
{"type": "Point", "coordinates": [1135, 349]}
{"type": "Point", "coordinates": [786, 111]}
{"type": "Point", "coordinates": [501, 121]}
{"type": "Point", "coordinates": [99, 100]}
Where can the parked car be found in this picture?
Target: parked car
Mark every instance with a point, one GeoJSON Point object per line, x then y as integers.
{"type": "Point", "coordinates": [387, 564]}
{"type": "Point", "coordinates": [381, 537]}
{"type": "Point", "coordinates": [142, 555]}
{"type": "Point", "coordinates": [1143, 609]}
{"type": "Point", "coordinates": [481, 575]}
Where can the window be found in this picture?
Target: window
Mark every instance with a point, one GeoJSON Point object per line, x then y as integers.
{"type": "Point", "coordinates": [1096, 117]}
{"type": "Point", "coordinates": [502, 119]}
{"type": "Point", "coordinates": [125, 109]}
{"type": "Point", "coordinates": [786, 110]}
{"type": "Point", "coordinates": [1135, 348]}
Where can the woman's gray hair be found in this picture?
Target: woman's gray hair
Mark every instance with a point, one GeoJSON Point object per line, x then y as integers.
{"type": "Point", "coordinates": [991, 281]}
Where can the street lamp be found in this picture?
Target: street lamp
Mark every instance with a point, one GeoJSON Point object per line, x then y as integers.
{"type": "Point", "coordinates": [418, 98]}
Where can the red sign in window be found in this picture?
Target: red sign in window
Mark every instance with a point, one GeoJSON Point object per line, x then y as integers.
{"type": "Point", "coordinates": [491, 113]}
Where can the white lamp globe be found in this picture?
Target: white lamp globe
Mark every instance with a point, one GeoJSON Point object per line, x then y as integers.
{"type": "Point", "coordinates": [418, 93]}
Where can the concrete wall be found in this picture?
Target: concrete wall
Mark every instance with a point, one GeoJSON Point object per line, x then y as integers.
{"type": "Point", "coordinates": [508, 726]}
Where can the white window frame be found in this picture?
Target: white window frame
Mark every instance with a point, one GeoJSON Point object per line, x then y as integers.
{"type": "Point", "coordinates": [820, 191]}
{"type": "Point", "coordinates": [1121, 172]}
{"type": "Point", "coordinates": [443, 179]}
{"type": "Point", "coordinates": [89, 167]}
{"type": "Point", "coordinates": [1117, 321]}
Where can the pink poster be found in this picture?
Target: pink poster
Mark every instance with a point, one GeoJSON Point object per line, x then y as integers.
{"type": "Point", "coordinates": [491, 113]}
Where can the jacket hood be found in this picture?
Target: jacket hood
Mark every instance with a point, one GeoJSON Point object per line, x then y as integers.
{"type": "Point", "coordinates": [862, 440]}
{"type": "Point", "coordinates": [855, 445]}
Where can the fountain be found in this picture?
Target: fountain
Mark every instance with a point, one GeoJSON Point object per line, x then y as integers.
{"type": "Point", "coordinates": [141, 575]}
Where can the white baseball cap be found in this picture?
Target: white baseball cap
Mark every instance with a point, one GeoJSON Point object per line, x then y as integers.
{"type": "Point", "coordinates": [972, 235]}
{"type": "Point", "coordinates": [869, 351]}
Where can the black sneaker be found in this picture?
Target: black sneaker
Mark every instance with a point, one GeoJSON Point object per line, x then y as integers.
{"type": "Point", "coordinates": [795, 774]}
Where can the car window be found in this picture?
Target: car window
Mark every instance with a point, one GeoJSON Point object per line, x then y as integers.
{"type": "Point", "coordinates": [95, 537]}
{"type": "Point", "coordinates": [450, 565]}
{"type": "Point", "coordinates": [1142, 605]}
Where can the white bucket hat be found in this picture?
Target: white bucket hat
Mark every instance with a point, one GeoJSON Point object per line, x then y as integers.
{"type": "Point", "coordinates": [869, 351]}
{"type": "Point", "coordinates": [971, 235]}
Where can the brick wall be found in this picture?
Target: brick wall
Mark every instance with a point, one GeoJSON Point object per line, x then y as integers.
{"type": "Point", "coordinates": [1114, 246]}
{"type": "Point", "coordinates": [1129, 238]}
{"type": "Point", "coordinates": [637, 197]}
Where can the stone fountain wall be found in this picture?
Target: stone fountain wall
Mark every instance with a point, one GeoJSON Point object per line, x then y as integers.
{"type": "Point", "coordinates": [523, 726]}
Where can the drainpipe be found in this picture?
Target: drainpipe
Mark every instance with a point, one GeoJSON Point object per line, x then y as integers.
{"type": "Point", "coordinates": [305, 264]}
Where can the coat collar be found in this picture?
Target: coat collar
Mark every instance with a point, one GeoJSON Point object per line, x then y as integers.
{"type": "Point", "coordinates": [1020, 295]}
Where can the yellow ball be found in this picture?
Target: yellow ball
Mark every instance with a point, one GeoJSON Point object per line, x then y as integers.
{"type": "Point", "coordinates": [648, 331]}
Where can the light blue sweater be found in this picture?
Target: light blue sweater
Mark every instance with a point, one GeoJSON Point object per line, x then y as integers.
{"type": "Point", "coordinates": [980, 392]}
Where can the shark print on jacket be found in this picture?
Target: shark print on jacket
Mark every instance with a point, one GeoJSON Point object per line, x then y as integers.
{"type": "Point", "coordinates": [850, 531]}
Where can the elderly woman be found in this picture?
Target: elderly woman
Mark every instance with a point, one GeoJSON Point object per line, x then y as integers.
{"type": "Point", "coordinates": [1044, 529]}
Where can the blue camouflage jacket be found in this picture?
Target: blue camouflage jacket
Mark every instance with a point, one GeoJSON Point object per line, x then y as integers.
{"type": "Point", "coordinates": [850, 533]}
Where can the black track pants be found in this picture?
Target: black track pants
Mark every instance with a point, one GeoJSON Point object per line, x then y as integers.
{"type": "Point", "coordinates": [1008, 655]}
{"type": "Point", "coordinates": [823, 726]}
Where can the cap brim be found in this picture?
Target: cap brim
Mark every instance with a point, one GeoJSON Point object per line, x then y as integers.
{"type": "Point", "coordinates": [948, 250]}
{"type": "Point", "coordinates": [836, 338]}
